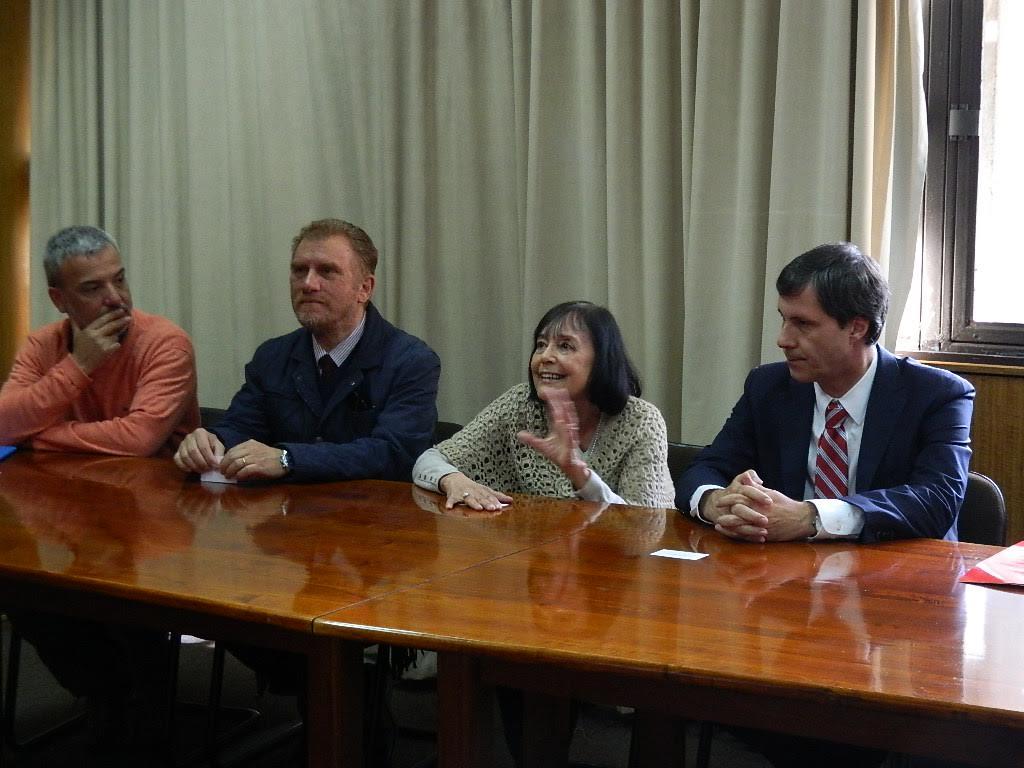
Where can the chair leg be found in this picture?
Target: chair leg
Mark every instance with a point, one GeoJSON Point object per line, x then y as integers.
{"type": "Point", "coordinates": [10, 709]}
{"type": "Point", "coordinates": [657, 739]}
{"type": "Point", "coordinates": [214, 738]}
{"type": "Point", "coordinates": [213, 708]}
{"type": "Point", "coordinates": [3, 700]}
{"type": "Point", "coordinates": [170, 699]}
{"type": "Point", "coordinates": [547, 730]}
{"type": "Point", "coordinates": [707, 731]}
{"type": "Point", "coordinates": [11, 690]}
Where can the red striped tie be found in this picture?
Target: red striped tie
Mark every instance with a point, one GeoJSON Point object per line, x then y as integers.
{"type": "Point", "coordinates": [832, 467]}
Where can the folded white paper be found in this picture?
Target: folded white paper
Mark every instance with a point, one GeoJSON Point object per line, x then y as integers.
{"type": "Point", "coordinates": [213, 476]}
{"type": "Point", "coordinates": [679, 554]}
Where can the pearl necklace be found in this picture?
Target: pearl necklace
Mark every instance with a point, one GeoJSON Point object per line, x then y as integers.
{"type": "Point", "coordinates": [597, 434]}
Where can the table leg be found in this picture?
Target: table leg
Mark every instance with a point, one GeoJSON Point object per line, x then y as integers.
{"type": "Point", "coordinates": [465, 729]}
{"type": "Point", "coordinates": [334, 720]}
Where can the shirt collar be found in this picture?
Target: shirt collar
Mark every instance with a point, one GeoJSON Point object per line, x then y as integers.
{"type": "Point", "coordinates": [855, 401]}
{"type": "Point", "coordinates": [344, 348]}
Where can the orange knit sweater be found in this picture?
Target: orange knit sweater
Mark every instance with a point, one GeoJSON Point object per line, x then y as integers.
{"type": "Point", "coordinates": [140, 402]}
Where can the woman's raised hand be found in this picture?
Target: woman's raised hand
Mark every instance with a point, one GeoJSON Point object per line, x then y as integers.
{"type": "Point", "coordinates": [562, 445]}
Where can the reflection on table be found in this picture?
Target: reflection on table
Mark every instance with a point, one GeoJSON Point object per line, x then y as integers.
{"type": "Point", "coordinates": [878, 645]}
{"type": "Point", "coordinates": [873, 644]}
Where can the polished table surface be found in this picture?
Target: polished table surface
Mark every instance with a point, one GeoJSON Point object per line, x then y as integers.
{"type": "Point", "coordinates": [878, 644]}
{"type": "Point", "coordinates": [871, 644]}
{"type": "Point", "coordinates": [281, 554]}
{"type": "Point", "coordinates": [134, 540]}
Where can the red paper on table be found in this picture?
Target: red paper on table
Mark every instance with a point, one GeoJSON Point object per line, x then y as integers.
{"type": "Point", "coordinates": [1006, 567]}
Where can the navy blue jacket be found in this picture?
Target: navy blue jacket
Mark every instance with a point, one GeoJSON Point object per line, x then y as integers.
{"type": "Point", "coordinates": [914, 452]}
{"type": "Point", "coordinates": [379, 419]}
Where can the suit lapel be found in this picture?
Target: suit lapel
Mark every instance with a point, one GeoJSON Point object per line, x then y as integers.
{"type": "Point", "coordinates": [795, 435]}
{"type": "Point", "coordinates": [888, 397]}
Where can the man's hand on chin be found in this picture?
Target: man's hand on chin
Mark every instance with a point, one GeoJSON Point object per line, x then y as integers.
{"type": "Point", "coordinates": [97, 341]}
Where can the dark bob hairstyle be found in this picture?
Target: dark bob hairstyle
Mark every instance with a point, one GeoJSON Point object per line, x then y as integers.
{"type": "Point", "coordinates": [612, 377]}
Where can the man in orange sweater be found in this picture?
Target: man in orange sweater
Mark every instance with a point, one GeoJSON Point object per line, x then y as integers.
{"type": "Point", "coordinates": [109, 378]}
{"type": "Point", "coordinates": [114, 380]}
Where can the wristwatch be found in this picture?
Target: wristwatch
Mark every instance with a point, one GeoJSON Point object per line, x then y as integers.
{"type": "Point", "coordinates": [286, 461]}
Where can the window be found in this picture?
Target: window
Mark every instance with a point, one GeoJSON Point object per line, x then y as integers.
{"type": "Point", "coordinates": [973, 261]}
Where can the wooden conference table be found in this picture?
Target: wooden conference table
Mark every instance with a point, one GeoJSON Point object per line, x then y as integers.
{"type": "Point", "coordinates": [876, 645]}
{"type": "Point", "coordinates": [135, 541]}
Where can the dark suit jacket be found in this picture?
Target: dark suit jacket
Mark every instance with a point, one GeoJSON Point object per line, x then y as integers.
{"type": "Point", "coordinates": [379, 419]}
{"type": "Point", "coordinates": [914, 452]}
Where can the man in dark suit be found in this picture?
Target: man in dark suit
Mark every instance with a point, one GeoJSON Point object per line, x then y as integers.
{"type": "Point", "coordinates": [346, 396]}
{"type": "Point", "coordinates": [841, 441]}
{"type": "Point", "coordinates": [905, 435]}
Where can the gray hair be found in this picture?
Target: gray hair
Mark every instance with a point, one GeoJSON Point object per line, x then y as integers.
{"type": "Point", "coordinates": [79, 240]}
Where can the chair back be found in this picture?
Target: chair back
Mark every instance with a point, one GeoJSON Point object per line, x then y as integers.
{"type": "Point", "coordinates": [444, 430]}
{"type": "Point", "coordinates": [680, 455]}
{"type": "Point", "coordinates": [209, 417]}
{"type": "Point", "coordinates": [983, 515]}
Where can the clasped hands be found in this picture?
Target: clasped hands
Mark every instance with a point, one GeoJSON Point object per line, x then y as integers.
{"type": "Point", "coordinates": [750, 511]}
{"type": "Point", "coordinates": [201, 451]}
{"type": "Point", "coordinates": [561, 447]}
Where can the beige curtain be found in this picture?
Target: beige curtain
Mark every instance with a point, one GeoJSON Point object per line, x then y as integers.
{"type": "Point", "coordinates": [663, 158]}
{"type": "Point", "coordinates": [890, 142]}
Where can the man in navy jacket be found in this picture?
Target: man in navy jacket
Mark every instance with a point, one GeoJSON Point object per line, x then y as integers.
{"type": "Point", "coordinates": [908, 425]}
{"type": "Point", "coordinates": [346, 396]}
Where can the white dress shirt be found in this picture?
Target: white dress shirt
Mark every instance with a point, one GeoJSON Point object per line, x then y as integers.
{"type": "Point", "coordinates": [344, 347]}
{"type": "Point", "coordinates": [840, 519]}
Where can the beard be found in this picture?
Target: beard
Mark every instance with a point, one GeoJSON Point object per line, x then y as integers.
{"type": "Point", "coordinates": [312, 317]}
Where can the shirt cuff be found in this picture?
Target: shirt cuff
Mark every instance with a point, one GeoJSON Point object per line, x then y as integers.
{"type": "Point", "coordinates": [430, 467]}
{"type": "Point", "coordinates": [839, 519]}
{"type": "Point", "coordinates": [695, 501]}
{"type": "Point", "coordinates": [596, 489]}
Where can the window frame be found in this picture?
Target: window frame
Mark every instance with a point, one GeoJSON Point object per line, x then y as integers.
{"type": "Point", "coordinates": [953, 81]}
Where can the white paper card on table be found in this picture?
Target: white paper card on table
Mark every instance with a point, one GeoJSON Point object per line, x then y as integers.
{"type": "Point", "coordinates": [213, 476]}
{"type": "Point", "coordinates": [679, 554]}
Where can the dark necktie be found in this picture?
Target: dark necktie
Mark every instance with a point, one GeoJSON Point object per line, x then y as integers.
{"type": "Point", "coordinates": [328, 374]}
{"type": "Point", "coordinates": [832, 467]}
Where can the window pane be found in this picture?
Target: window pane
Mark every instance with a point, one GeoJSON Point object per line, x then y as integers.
{"type": "Point", "coordinates": [999, 255]}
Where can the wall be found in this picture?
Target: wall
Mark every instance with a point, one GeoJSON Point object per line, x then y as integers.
{"type": "Point", "coordinates": [998, 432]}
{"type": "Point", "coordinates": [14, 148]}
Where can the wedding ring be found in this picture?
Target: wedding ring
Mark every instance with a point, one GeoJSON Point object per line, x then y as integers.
{"type": "Point", "coordinates": [243, 460]}
{"type": "Point", "coordinates": [465, 495]}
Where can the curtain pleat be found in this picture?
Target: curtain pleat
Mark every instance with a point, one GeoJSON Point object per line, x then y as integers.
{"type": "Point", "coordinates": [890, 143]}
{"type": "Point", "coordinates": [664, 158]}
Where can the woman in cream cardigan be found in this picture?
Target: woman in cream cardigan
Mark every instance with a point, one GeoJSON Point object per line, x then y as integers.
{"type": "Point", "coordinates": [576, 428]}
